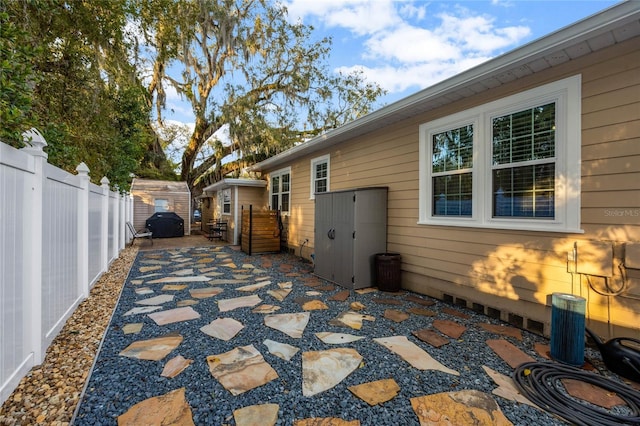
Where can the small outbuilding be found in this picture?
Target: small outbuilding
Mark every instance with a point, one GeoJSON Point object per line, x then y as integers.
{"type": "Point", "coordinates": [225, 200]}
{"type": "Point", "coordinates": [157, 196]}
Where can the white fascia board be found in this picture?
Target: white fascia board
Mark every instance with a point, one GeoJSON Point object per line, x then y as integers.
{"type": "Point", "coordinates": [226, 183]}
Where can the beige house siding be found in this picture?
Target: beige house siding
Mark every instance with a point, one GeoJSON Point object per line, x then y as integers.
{"type": "Point", "coordinates": [243, 197]}
{"type": "Point", "coordinates": [146, 191]}
{"type": "Point", "coordinates": [506, 273]}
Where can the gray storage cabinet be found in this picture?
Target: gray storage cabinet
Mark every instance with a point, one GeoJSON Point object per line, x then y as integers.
{"type": "Point", "coordinates": [350, 229]}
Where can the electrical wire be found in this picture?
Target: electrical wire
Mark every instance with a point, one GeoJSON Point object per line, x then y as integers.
{"type": "Point", "coordinates": [540, 383]}
{"type": "Point", "coordinates": [617, 292]}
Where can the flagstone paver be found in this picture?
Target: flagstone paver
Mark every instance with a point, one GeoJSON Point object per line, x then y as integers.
{"type": "Point", "coordinates": [168, 409]}
{"type": "Point", "coordinates": [357, 306]}
{"type": "Point", "coordinates": [265, 309]}
{"type": "Point", "coordinates": [340, 296]}
{"type": "Point", "coordinates": [450, 328]}
{"type": "Point", "coordinates": [141, 310]}
{"type": "Point", "coordinates": [223, 328]}
{"type": "Point", "coordinates": [337, 338]}
{"type": "Point", "coordinates": [503, 330]}
{"type": "Point", "coordinates": [186, 302]}
{"type": "Point", "coordinates": [290, 324]}
{"type": "Point", "coordinates": [351, 320]}
{"type": "Point", "coordinates": [226, 305]}
{"type": "Point", "coordinates": [386, 301]}
{"type": "Point", "coordinates": [395, 315]}
{"type": "Point", "coordinates": [175, 366]}
{"type": "Point", "coordinates": [281, 350]}
{"type": "Point", "coordinates": [455, 313]}
{"type": "Point", "coordinates": [422, 312]}
{"type": "Point", "coordinates": [156, 300]}
{"type": "Point", "coordinates": [183, 272]}
{"type": "Point", "coordinates": [509, 353]}
{"type": "Point", "coordinates": [431, 337]}
{"type": "Point", "coordinates": [413, 354]}
{"type": "Point", "coordinates": [419, 300]}
{"type": "Point", "coordinates": [191, 279]}
{"type": "Point", "coordinates": [591, 393]}
{"type": "Point", "coordinates": [173, 287]}
{"type": "Point", "coordinates": [506, 387]}
{"type": "Point", "coordinates": [326, 421]}
{"type": "Point", "coordinates": [314, 305]}
{"type": "Point", "coordinates": [185, 313]}
{"type": "Point", "coordinates": [153, 349]}
{"type": "Point", "coordinates": [254, 287]}
{"type": "Point", "coordinates": [374, 393]}
{"type": "Point", "coordinates": [468, 407]}
{"type": "Point", "coordinates": [241, 369]}
{"type": "Point", "coordinates": [257, 415]}
{"type": "Point", "coordinates": [322, 370]}
{"type": "Point", "coordinates": [204, 293]}
{"type": "Point", "coordinates": [133, 328]}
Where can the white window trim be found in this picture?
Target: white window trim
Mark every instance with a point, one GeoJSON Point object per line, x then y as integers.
{"type": "Point", "coordinates": [166, 205]}
{"type": "Point", "coordinates": [222, 203]}
{"type": "Point", "coordinates": [567, 95]}
{"type": "Point", "coordinates": [312, 169]}
{"type": "Point", "coordinates": [273, 174]}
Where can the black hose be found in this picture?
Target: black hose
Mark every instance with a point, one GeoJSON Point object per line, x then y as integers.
{"type": "Point", "coordinates": [540, 383]}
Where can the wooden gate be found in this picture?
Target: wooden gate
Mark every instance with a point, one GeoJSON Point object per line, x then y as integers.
{"type": "Point", "coordinates": [260, 232]}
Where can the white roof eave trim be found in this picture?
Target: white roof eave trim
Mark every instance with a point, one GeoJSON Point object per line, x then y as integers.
{"type": "Point", "coordinates": [226, 183]}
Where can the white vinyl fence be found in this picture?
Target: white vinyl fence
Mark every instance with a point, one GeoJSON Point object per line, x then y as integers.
{"type": "Point", "coordinates": [58, 234]}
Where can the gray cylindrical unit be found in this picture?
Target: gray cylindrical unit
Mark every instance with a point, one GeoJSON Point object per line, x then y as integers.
{"type": "Point", "coordinates": [567, 328]}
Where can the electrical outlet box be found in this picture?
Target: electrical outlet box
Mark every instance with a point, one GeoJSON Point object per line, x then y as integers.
{"type": "Point", "coordinates": [594, 258]}
{"type": "Point", "coordinates": [632, 255]}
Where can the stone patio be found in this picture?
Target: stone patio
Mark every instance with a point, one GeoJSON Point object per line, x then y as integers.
{"type": "Point", "coordinates": [224, 338]}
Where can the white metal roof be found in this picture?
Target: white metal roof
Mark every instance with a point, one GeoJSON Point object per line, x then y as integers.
{"type": "Point", "coordinates": [613, 25]}
{"type": "Point", "coordinates": [229, 182]}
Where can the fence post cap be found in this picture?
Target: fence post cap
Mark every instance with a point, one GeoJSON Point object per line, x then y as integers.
{"type": "Point", "coordinates": [82, 169]}
{"type": "Point", "coordinates": [35, 142]}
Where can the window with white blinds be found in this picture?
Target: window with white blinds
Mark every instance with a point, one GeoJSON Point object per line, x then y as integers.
{"type": "Point", "coordinates": [512, 163]}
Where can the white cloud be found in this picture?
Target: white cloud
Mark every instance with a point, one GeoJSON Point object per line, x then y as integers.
{"type": "Point", "coordinates": [397, 79]}
{"type": "Point", "coordinates": [479, 34]}
{"type": "Point", "coordinates": [358, 16]}
{"type": "Point", "coordinates": [404, 45]}
{"type": "Point", "coordinates": [409, 44]}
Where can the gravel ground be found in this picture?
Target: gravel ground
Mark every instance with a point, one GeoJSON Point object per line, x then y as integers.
{"type": "Point", "coordinates": [50, 392]}
{"type": "Point", "coordinates": [117, 382]}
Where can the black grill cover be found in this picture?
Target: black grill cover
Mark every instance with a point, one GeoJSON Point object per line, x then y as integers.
{"type": "Point", "coordinates": [165, 224]}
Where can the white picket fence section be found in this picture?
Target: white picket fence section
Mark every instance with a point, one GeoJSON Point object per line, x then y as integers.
{"type": "Point", "coordinates": [58, 234]}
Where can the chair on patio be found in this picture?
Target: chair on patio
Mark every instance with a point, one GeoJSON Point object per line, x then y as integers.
{"type": "Point", "coordinates": [217, 230]}
{"type": "Point", "coordinates": [139, 234]}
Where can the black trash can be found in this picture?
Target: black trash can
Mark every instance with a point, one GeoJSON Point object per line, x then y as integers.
{"type": "Point", "coordinates": [388, 271]}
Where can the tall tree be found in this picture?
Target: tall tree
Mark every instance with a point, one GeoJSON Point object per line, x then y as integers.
{"type": "Point", "coordinates": [84, 93]}
{"type": "Point", "coordinates": [244, 65]}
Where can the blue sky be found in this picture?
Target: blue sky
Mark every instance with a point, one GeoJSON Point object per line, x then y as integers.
{"type": "Point", "coordinates": [408, 45]}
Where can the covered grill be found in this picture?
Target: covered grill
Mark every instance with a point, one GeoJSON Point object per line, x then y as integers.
{"type": "Point", "coordinates": [165, 224]}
